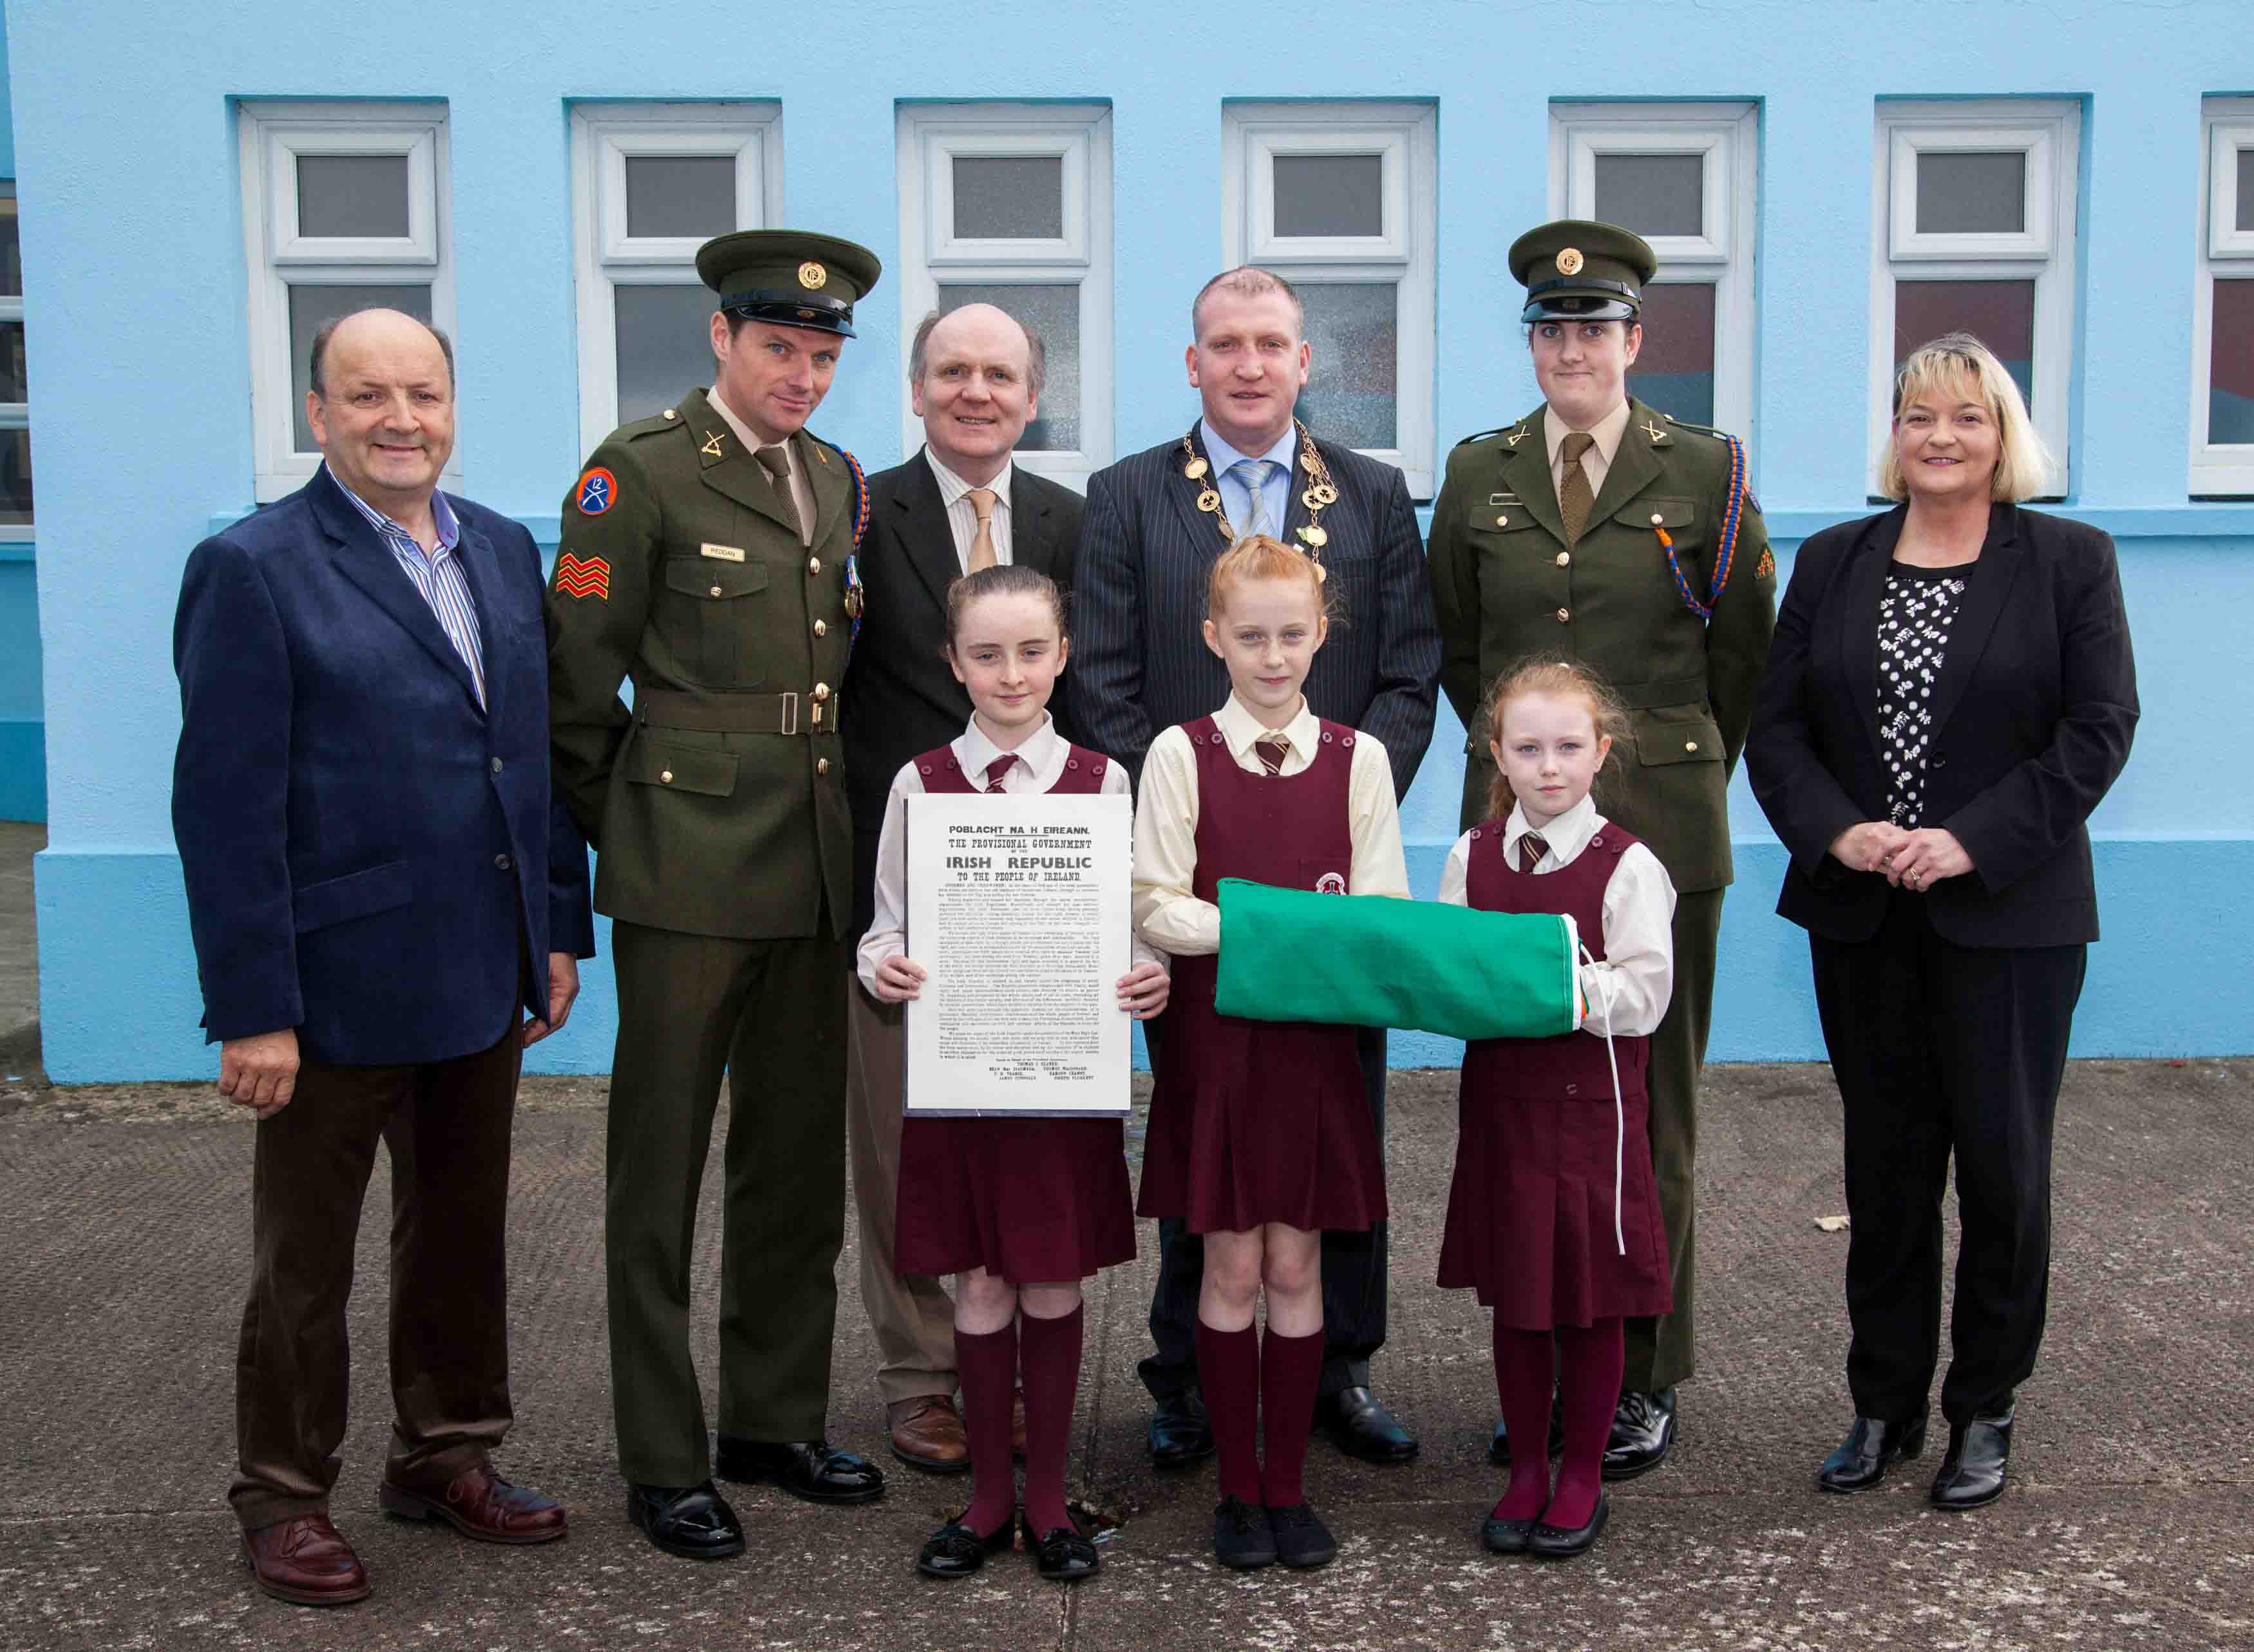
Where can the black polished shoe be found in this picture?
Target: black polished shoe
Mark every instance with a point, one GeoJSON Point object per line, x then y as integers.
{"type": "Point", "coordinates": [1505, 1536]}
{"type": "Point", "coordinates": [1061, 1555]}
{"type": "Point", "coordinates": [1180, 1433]}
{"type": "Point", "coordinates": [813, 1469]}
{"type": "Point", "coordinates": [1861, 1459]}
{"type": "Point", "coordinates": [693, 1522]}
{"type": "Point", "coordinates": [1360, 1427]}
{"type": "Point", "coordinates": [1242, 1536]}
{"type": "Point", "coordinates": [1498, 1449]}
{"type": "Point", "coordinates": [1302, 1540]}
{"type": "Point", "coordinates": [1643, 1427]}
{"type": "Point", "coordinates": [955, 1550]}
{"type": "Point", "coordinates": [1973, 1469]}
{"type": "Point", "coordinates": [1556, 1543]}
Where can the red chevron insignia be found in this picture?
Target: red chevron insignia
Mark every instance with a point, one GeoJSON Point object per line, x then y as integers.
{"type": "Point", "coordinates": [583, 576]}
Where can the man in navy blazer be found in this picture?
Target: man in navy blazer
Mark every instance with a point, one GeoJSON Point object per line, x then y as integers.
{"type": "Point", "coordinates": [379, 877]}
{"type": "Point", "coordinates": [1140, 665]}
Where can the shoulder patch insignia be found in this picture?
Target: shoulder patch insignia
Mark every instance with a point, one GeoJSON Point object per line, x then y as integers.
{"type": "Point", "coordinates": [582, 577]}
{"type": "Point", "coordinates": [1766, 568]}
{"type": "Point", "coordinates": [598, 492]}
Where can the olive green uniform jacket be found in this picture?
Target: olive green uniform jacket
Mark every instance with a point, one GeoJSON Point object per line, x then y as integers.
{"type": "Point", "coordinates": [717, 806]}
{"type": "Point", "coordinates": [1506, 585]}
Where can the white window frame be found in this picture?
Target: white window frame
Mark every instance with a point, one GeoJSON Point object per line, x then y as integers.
{"type": "Point", "coordinates": [1727, 136]}
{"type": "Point", "coordinates": [16, 416]}
{"type": "Point", "coordinates": [1405, 138]}
{"type": "Point", "coordinates": [271, 135]}
{"type": "Point", "coordinates": [605, 257]}
{"type": "Point", "coordinates": [2226, 125]}
{"type": "Point", "coordinates": [1079, 134]}
{"type": "Point", "coordinates": [2049, 131]}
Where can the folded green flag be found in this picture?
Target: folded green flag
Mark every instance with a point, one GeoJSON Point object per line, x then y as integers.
{"type": "Point", "coordinates": [1292, 954]}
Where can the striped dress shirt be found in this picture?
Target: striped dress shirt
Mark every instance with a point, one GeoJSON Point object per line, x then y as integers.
{"type": "Point", "coordinates": [436, 574]}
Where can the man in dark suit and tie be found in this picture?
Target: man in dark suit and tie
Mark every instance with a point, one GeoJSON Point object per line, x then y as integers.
{"type": "Point", "coordinates": [960, 505]}
{"type": "Point", "coordinates": [379, 877]}
{"type": "Point", "coordinates": [1140, 665]}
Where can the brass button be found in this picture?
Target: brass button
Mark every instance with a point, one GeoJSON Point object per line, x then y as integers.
{"type": "Point", "coordinates": [1565, 559]}
{"type": "Point", "coordinates": [1502, 521]}
{"type": "Point", "coordinates": [820, 629]}
{"type": "Point", "coordinates": [716, 591]}
{"type": "Point", "coordinates": [1690, 745]}
{"type": "Point", "coordinates": [666, 775]}
{"type": "Point", "coordinates": [814, 565]}
{"type": "Point", "coordinates": [822, 690]}
{"type": "Point", "coordinates": [1563, 616]}
{"type": "Point", "coordinates": [1658, 521]}
{"type": "Point", "coordinates": [821, 766]}
{"type": "Point", "coordinates": [670, 414]}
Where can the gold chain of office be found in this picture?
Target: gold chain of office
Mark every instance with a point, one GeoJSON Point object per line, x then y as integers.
{"type": "Point", "coordinates": [1320, 491]}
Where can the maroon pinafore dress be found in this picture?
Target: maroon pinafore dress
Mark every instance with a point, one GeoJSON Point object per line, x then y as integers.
{"type": "Point", "coordinates": [1530, 1221]}
{"type": "Point", "coordinates": [1254, 1122]}
{"type": "Point", "coordinates": [1032, 1201]}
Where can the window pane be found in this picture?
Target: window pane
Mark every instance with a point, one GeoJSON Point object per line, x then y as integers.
{"type": "Point", "coordinates": [1971, 192]}
{"type": "Point", "coordinates": [1009, 197]}
{"type": "Point", "coordinates": [681, 195]}
{"type": "Point", "coordinates": [1054, 313]}
{"type": "Point", "coordinates": [309, 308]}
{"type": "Point", "coordinates": [1674, 370]}
{"type": "Point", "coordinates": [12, 249]}
{"type": "Point", "coordinates": [351, 195]}
{"type": "Point", "coordinates": [2001, 314]}
{"type": "Point", "coordinates": [1653, 194]}
{"type": "Point", "coordinates": [16, 477]}
{"type": "Point", "coordinates": [2230, 363]}
{"type": "Point", "coordinates": [1330, 195]}
{"type": "Point", "coordinates": [12, 378]}
{"type": "Point", "coordinates": [1352, 393]}
{"type": "Point", "coordinates": [2245, 198]}
{"type": "Point", "coordinates": [665, 346]}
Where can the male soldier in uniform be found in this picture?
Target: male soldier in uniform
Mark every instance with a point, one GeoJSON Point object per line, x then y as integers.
{"type": "Point", "coordinates": [1599, 530]}
{"type": "Point", "coordinates": [705, 555]}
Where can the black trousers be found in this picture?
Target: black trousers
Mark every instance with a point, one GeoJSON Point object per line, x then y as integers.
{"type": "Point", "coordinates": [1941, 1049]}
{"type": "Point", "coordinates": [1353, 1273]}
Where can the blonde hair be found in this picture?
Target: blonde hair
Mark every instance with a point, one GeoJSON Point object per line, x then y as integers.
{"type": "Point", "coordinates": [1555, 675]}
{"type": "Point", "coordinates": [1260, 557]}
{"type": "Point", "coordinates": [2022, 462]}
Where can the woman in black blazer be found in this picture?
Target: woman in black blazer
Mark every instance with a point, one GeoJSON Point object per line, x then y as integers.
{"type": "Point", "coordinates": [1950, 693]}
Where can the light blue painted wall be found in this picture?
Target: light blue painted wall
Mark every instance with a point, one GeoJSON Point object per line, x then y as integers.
{"type": "Point", "coordinates": [2180, 829]}
{"type": "Point", "coordinates": [23, 745]}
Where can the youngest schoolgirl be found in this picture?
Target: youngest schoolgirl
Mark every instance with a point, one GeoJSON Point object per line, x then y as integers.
{"type": "Point", "coordinates": [1260, 1134]}
{"type": "Point", "coordinates": [1020, 1210]}
{"type": "Point", "coordinates": [1553, 1214]}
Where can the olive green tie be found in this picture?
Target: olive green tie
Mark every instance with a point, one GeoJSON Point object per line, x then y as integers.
{"type": "Point", "coordinates": [776, 463]}
{"type": "Point", "coordinates": [1574, 498]}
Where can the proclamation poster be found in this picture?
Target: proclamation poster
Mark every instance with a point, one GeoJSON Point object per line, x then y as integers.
{"type": "Point", "coordinates": [1020, 908]}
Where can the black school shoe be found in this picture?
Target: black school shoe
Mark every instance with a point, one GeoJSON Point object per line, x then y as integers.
{"type": "Point", "coordinates": [1302, 1540]}
{"type": "Point", "coordinates": [1505, 1536]}
{"type": "Point", "coordinates": [1242, 1538]}
{"type": "Point", "coordinates": [1061, 1555]}
{"type": "Point", "coordinates": [1557, 1543]}
{"type": "Point", "coordinates": [955, 1550]}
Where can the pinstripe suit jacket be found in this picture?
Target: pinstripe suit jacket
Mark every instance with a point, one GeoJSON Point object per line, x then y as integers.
{"type": "Point", "coordinates": [1139, 663]}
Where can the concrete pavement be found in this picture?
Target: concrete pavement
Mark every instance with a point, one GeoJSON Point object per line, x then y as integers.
{"type": "Point", "coordinates": [123, 1218]}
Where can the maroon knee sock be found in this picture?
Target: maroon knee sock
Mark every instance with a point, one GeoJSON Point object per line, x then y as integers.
{"type": "Point", "coordinates": [988, 1366]}
{"type": "Point", "coordinates": [1589, 1364]}
{"type": "Point", "coordinates": [1050, 1351]}
{"type": "Point", "coordinates": [1290, 1368]}
{"type": "Point", "coordinates": [1525, 1373]}
{"type": "Point", "coordinates": [1228, 1375]}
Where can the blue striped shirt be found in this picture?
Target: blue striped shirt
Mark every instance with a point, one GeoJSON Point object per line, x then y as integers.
{"type": "Point", "coordinates": [436, 574]}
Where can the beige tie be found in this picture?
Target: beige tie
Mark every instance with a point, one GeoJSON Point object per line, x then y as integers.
{"type": "Point", "coordinates": [1573, 495]}
{"type": "Point", "coordinates": [982, 542]}
{"type": "Point", "coordinates": [777, 466]}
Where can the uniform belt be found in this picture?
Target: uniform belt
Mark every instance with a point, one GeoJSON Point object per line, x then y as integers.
{"type": "Point", "coordinates": [736, 713]}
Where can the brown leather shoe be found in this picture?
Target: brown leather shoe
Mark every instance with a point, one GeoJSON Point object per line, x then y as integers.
{"type": "Point", "coordinates": [478, 1503]}
{"type": "Point", "coordinates": [307, 1562]}
{"type": "Point", "coordinates": [928, 1433]}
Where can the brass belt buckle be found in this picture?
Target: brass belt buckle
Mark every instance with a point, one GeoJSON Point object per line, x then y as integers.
{"type": "Point", "coordinates": [789, 714]}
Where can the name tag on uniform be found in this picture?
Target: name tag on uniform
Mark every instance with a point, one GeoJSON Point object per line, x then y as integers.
{"type": "Point", "coordinates": [721, 553]}
{"type": "Point", "coordinates": [1502, 499]}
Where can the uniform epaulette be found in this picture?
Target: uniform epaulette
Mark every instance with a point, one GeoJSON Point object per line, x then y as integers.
{"type": "Point", "coordinates": [1483, 435]}
{"type": "Point", "coordinates": [668, 420]}
{"type": "Point", "coordinates": [1703, 430]}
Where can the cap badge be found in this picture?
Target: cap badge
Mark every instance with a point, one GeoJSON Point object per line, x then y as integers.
{"type": "Point", "coordinates": [814, 278]}
{"type": "Point", "coordinates": [1569, 261]}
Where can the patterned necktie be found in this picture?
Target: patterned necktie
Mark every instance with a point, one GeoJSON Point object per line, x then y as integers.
{"type": "Point", "coordinates": [1530, 847]}
{"type": "Point", "coordinates": [1000, 765]}
{"type": "Point", "coordinates": [1574, 498]}
{"type": "Point", "coordinates": [1272, 748]}
{"type": "Point", "coordinates": [982, 542]}
{"type": "Point", "coordinates": [1253, 473]}
{"type": "Point", "coordinates": [776, 463]}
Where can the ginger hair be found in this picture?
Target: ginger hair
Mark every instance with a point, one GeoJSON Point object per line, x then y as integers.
{"type": "Point", "coordinates": [1566, 679]}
